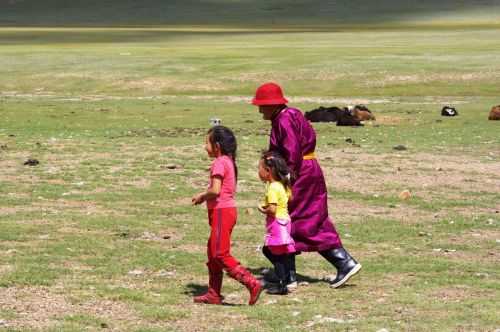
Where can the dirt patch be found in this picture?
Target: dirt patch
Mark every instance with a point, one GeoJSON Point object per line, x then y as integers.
{"type": "Point", "coordinates": [341, 209]}
{"type": "Point", "coordinates": [154, 84]}
{"type": "Point", "coordinates": [41, 308]}
{"type": "Point", "coordinates": [82, 207]}
{"type": "Point", "coordinates": [427, 176]}
{"type": "Point", "coordinates": [201, 319]}
{"type": "Point", "coordinates": [458, 294]}
{"type": "Point", "coordinates": [388, 80]}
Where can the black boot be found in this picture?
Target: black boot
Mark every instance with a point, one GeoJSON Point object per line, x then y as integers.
{"type": "Point", "coordinates": [277, 289]}
{"type": "Point", "coordinates": [280, 267]}
{"type": "Point", "coordinates": [345, 264]}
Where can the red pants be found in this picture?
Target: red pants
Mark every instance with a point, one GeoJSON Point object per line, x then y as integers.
{"type": "Point", "coordinates": [221, 223]}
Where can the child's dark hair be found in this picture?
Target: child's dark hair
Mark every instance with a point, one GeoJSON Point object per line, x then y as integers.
{"type": "Point", "coordinates": [279, 168]}
{"type": "Point", "coordinates": [226, 140]}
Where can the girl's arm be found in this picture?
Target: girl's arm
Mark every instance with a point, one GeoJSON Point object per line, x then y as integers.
{"type": "Point", "coordinates": [210, 193]}
{"type": "Point", "coordinates": [270, 209]}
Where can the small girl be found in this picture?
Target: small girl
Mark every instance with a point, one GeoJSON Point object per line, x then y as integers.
{"type": "Point", "coordinates": [278, 243]}
{"type": "Point", "coordinates": [220, 144]}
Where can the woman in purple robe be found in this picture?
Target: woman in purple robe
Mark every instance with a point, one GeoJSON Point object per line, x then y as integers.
{"type": "Point", "coordinates": [294, 138]}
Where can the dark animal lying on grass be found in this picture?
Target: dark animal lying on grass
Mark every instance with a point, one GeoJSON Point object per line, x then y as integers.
{"type": "Point", "coordinates": [495, 113]}
{"type": "Point", "coordinates": [324, 114]}
{"type": "Point", "coordinates": [362, 113]}
{"type": "Point", "coordinates": [343, 117]}
{"type": "Point", "coordinates": [348, 119]}
{"type": "Point", "coordinates": [449, 111]}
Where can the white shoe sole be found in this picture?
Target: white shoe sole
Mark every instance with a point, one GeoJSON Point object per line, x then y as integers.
{"type": "Point", "coordinates": [292, 287]}
{"type": "Point", "coordinates": [351, 273]}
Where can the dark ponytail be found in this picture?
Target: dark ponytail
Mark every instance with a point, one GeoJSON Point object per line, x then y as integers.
{"type": "Point", "coordinates": [279, 168]}
{"type": "Point", "coordinates": [226, 140]}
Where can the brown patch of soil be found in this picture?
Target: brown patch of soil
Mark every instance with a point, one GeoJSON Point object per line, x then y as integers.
{"type": "Point", "coordinates": [427, 176]}
{"type": "Point", "coordinates": [41, 308]}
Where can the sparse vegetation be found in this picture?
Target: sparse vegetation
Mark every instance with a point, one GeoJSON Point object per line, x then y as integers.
{"type": "Point", "coordinates": [100, 235]}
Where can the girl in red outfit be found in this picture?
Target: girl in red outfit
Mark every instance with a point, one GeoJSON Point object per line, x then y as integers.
{"type": "Point", "coordinates": [221, 145]}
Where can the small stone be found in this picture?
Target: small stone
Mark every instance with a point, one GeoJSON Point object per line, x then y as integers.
{"type": "Point", "coordinates": [349, 140]}
{"type": "Point", "coordinates": [171, 166]}
{"type": "Point", "coordinates": [383, 330]}
{"type": "Point", "coordinates": [318, 317]}
{"type": "Point", "coordinates": [164, 273]}
{"type": "Point", "coordinates": [136, 272]}
{"type": "Point", "coordinates": [450, 250]}
{"type": "Point", "coordinates": [437, 249]}
{"type": "Point", "coordinates": [104, 326]}
{"type": "Point", "coordinates": [3, 322]}
{"type": "Point", "coordinates": [295, 313]}
{"type": "Point", "coordinates": [31, 162]}
{"type": "Point", "coordinates": [439, 169]}
{"type": "Point", "coordinates": [399, 147]}
{"type": "Point", "coordinates": [405, 194]}
{"type": "Point", "coordinates": [271, 302]}
{"type": "Point", "coordinates": [303, 283]}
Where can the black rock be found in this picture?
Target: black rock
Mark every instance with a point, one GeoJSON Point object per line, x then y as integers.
{"type": "Point", "coordinates": [400, 147]}
{"type": "Point", "coordinates": [31, 162]}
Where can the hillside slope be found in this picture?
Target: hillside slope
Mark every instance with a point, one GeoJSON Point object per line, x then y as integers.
{"type": "Point", "coordinates": [246, 13]}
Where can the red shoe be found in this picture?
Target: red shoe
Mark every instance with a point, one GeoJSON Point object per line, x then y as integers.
{"type": "Point", "coordinates": [246, 278]}
{"type": "Point", "coordinates": [209, 297]}
{"type": "Point", "coordinates": [212, 296]}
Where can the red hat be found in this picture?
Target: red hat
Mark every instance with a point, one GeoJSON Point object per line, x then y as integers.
{"type": "Point", "coordinates": [269, 94]}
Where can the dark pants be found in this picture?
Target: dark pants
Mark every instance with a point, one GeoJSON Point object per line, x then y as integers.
{"type": "Point", "coordinates": [281, 263]}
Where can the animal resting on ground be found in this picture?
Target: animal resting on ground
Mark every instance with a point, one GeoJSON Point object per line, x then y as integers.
{"type": "Point", "coordinates": [362, 113]}
{"type": "Point", "coordinates": [343, 116]}
{"type": "Point", "coordinates": [495, 113]}
{"type": "Point", "coordinates": [449, 111]}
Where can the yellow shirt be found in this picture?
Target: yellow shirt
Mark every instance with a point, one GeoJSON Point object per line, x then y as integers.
{"type": "Point", "coordinates": [277, 194]}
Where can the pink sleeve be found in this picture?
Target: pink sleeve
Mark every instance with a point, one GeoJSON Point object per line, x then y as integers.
{"type": "Point", "coordinates": [217, 168]}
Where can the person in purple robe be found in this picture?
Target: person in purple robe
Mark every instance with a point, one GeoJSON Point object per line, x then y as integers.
{"type": "Point", "coordinates": [293, 137]}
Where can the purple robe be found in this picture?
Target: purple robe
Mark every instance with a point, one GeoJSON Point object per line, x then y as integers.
{"type": "Point", "coordinates": [293, 137]}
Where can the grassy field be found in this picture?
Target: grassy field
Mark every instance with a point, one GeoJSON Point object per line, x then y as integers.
{"type": "Point", "coordinates": [101, 235]}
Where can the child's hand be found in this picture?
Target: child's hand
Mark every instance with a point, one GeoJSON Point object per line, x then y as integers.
{"type": "Point", "coordinates": [262, 209]}
{"type": "Point", "coordinates": [198, 199]}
